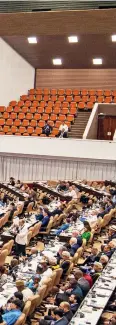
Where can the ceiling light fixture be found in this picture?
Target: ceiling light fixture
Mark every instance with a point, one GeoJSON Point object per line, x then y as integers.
{"type": "Point", "coordinates": [73, 39]}
{"type": "Point", "coordinates": [97, 61]}
{"type": "Point", "coordinates": [32, 40]}
{"type": "Point", "coordinates": [113, 38]}
{"type": "Point", "coordinates": [57, 61]}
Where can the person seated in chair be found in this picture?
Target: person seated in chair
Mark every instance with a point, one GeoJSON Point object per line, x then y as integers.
{"type": "Point", "coordinates": [65, 306]}
{"type": "Point", "coordinates": [63, 130]}
{"type": "Point", "coordinates": [73, 245]}
{"type": "Point", "coordinates": [12, 314]}
{"type": "Point", "coordinates": [74, 304]}
{"type": "Point", "coordinates": [47, 129]}
{"type": "Point", "coordinates": [45, 220]}
{"type": "Point", "coordinates": [65, 262]}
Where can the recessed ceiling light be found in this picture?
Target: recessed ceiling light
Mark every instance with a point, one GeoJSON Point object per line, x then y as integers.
{"type": "Point", "coordinates": [97, 61]}
{"type": "Point", "coordinates": [57, 61]}
{"type": "Point", "coordinates": [32, 40]}
{"type": "Point", "coordinates": [113, 38]}
{"type": "Point", "coordinates": [73, 39]}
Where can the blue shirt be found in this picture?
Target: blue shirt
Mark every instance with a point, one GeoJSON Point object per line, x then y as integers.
{"type": "Point", "coordinates": [10, 317]}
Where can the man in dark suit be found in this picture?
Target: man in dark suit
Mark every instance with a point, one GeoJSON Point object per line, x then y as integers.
{"type": "Point", "coordinates": [65, 306]}
{"type": "Point", "coordinates": [60, 318]}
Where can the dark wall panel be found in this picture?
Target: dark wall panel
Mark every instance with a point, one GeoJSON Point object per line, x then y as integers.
{"type": "Point", "coordinates": [80, 78]}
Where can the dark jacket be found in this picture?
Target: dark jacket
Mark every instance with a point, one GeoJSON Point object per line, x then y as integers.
{"type": "Point", "coordinates": [68, 315]}
{"type": "Point", "coordinates": [62, 321]}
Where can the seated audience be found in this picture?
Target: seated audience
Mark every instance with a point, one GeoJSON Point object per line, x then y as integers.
{"type": "Point", "coordinates": [82, 281]}
{"type": "Point", "coordinates": [11, 315]}
{"type": "Point", "coordinates": [65, 262]}
{"type": "Point", "coordinates": [73, 300]}
{"type": "Point", "coordinates": [3, 274]}
{"type": "Point", "coordinates": [65, 306]}
{"type": "Point", "coordinates": [27, 293]}
{"type": "Point", "coordinates": [45, 220]}
{"type": "Point", "coordinates": [74, 245]}
{"type": "Point", "coordinates": [12, 181]}
{"type": "Point", "coordinates": [87, 231]}
{"type": "Point", "coordinates": [46, 129]}
{"type": "Point", "coordinates": [63, 130]}
{"type": "Point", "coordinates": [59, 317]}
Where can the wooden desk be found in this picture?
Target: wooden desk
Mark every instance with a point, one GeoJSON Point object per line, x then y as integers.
{"type": "Point", "coordinates": [12, 191]}
{"type": "Point", "coordinates": [52, 192]}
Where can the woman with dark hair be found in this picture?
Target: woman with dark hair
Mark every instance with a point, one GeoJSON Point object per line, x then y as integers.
{"type": "Point", "coordinates": [87, 231]}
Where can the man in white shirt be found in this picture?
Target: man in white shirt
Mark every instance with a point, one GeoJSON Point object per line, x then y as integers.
{"type": "Point", "coordinates": [21, 238]}
{"type": "Point", "coordinates": [63, 131]}
{"type": "Point", "coordinates": [27, 293]}
{"type": "Point", "coordinates": [47, 272]}
{"type": "Point", "coordinates": [72, 193]}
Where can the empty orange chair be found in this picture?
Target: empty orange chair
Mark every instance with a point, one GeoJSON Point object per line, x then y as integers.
{"type": "Point", "coordinates": [70, 118]}
{"type": "Point", "coordinates": [17, 122]}
{"type": "Point", "coordinates": [68, 92]}
{"type": "Point", "coordinates": [13, 103]}
{"type": "Point", "coordinates": [62, 117]}
{"type": "Point", "coordinates": [25, 122]}
{"type": "Point", "coordinates": [5, 115]}
{"type": "Point", "coordinates": [84, 92]}
{"type": "Point", "coordinates": [51, 135]}
{"type": "Point", "coordinates": [85, 99]}
{"type": "Point", "coordinates": [48, 110]}
{"type": "Point", "coordinates": [24, 109]}
{"type": "Point", "coordinates": [76, 92]}
{"type": "Point", "coordinates": [2, 121]}
{"type": "Point", "coordinates": [35, 103]}
{"type": "Point", "coordinates": [21, 116]}
{"type": "Point", "coordinates": [5, 128]}
{"type": "Point", "coordinates": [73, 105]}
{"type": "Point", "coordinates": [77, 99]}
{"type": "Point", "coordinates": [33, 123]}
{"type": "Point", "coordinates": [114, 100]}
{"type": "Point", "coordinates": [65, 104]}
{"type": "Point", "coordinates": [54, 98]}
{"type": "Point", "coordinates": [51, 123]}
{"type": "Point", "coordinates": [32, 109]}
{"type": "Point", "coordinates": [29, 116]}
{"type": "Point", "coordinates": [38, 130]}
{"type": "Point", "coordinates": [64, 110]}
{"type": "Point", "coordinates": [42, 135]}
{"type": "Point", "coordinates": [57, 124]}
{"type": "Point", "coordinates": [2, 109]}
{"type": "Point", "coordinates": [30, 129]}
{"type": "Point", "coordinates": [28, 103]}
{"type": "Point", "coordinates": [45, 116]}
{"type": "Point", "coordinates": [32, 91]}
{"type": "Point", "coordinates": [13, 129]}
{"type": "Point", "coordinates": [34, 134]}
{"type": "Point", "coordinates": [53, 92]}
{"type": "Point", "coordinates": [42, 103]}
{"type": "Point", "coordinates": [53, 117]}
{"type": "Point", "coordinates": [92, 98]}
{"type": "Point", "coordinates": [23, 97]}
{"type": "Point", "coordinates": [31, 97]}
{"type": "Point", "coordinates": [69, 98]}
{"type": "Point", "coordinates": [37, 116]}
{"type": "Point", "coordinates": [41, 123]}
{"type": "Point", "coordinates": [73, 111]}
{"type": "Point", "coordinates": [39, 91]}
{"type": "Point", "coordinates": [108, 99]}
{"type": "Point", "coordinates": [99, 92]}
{"type": "Point", "coordinates": [39, 97]}
{"type": "Point", "coordinates": [50, 103]}
{"type": "Point", "coordinates": [9, 121]}
{"type": "Point", "coordinates": [9, 109]}
{"type": "Point", "coordinates": [67, 123]}
{"type": "Point", "coordinates": [16, 109]}
{"type": "Point", "coordinates": [56, 110]}
{"type": "Point", "coordinates": [100, 99]}
{"type": "Point", "coordinates": [107, 93]}
{"type": "Point", "coordinates": [9, 133]}
{"type": "Point", "coordinates": [61, 92]}
{"type": "Point", "coordinates": [92, 92]}
{"type": "Point", "coordinates": [46, 98]}
{"type": "Point", "coordinates": [46, 91]}
{"type": "Point", "coordinates": [114, 93]}
{"type": "Point", "coordinates": [22, 129]}
{"type": "Point", "coordinates": [61, 98]}
{"type": "Point", "coordinates": [17, 133]}
{"type": "Point", "coordinates": [57, 104]}
{"type": "Point", "coordinates": [2, 133]}
{"type": "Point", "coordinates": [55, 131]}
{"type": "Point", "coordinates": [20, 103]}
{"type": "Point", "coordinates": [25, 134]}
{"type": "Point", "coordinates": [81, 105]}
{"type": "Point", "coordinates": [40, 109]}
{"type": "Point", "coordinates": [89, 105]}
{"type": "Point", "coordinates": [13, 115]}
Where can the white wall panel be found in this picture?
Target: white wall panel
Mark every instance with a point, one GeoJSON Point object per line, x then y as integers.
{"type": "Point", "coordinates": [16, 74]}
{"type": "Point", "coordinates": [33, 169]}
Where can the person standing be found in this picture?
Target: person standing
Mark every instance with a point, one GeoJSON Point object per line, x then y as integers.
{"type": "Point", "coordinates": [21, 238]}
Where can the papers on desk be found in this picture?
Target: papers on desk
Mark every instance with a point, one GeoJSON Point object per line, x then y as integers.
{"type": "Point", "coordinates": [97, 302]}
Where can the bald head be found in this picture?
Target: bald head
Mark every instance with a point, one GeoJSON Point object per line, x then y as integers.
{"type": "Point", "coordinates": [65, 306]}
{"type": "Point", "coordinates": [73, 241]}
{"type": "Point", "coordinates": [78, 274]}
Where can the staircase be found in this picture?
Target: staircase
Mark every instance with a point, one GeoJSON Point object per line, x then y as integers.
{"type": "Point", "coordinates": [78, 128]}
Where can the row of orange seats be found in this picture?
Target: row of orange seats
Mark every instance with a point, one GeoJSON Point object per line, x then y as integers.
{"type": "Point", "coordinates": [36, 117]}
{"type": "Point", "coordinates": [28, 100]}
{"type": "Point", "coordinates": [20, 112]}
{"type": "Point", "coordinates": [33, 123]}
{"type": "Point", "coordinates": [22, 130]}
{"type": "Point", "coordinates": [68, 92]}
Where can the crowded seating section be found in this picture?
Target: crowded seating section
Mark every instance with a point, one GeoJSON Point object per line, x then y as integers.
{"type": "Point", "coordinates": [57, 238]}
